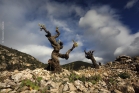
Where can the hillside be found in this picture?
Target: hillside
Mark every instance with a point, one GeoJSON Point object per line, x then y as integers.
{"type": "Point", "coordinates": [11, 59]}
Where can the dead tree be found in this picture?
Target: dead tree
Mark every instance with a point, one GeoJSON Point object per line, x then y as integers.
{"type": "Point", "coordinates": [53, 63]}
{"type": "Point", "coordinates": [89, 55]}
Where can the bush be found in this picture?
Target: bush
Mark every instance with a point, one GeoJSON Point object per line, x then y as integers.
{"type": "Point", "coordinates": [112, 81]}
{"type": "Point", "coordinates": [32, 85]}
{"type": "Point", "coordinates": [73, 77]}
{"type": "Point", "coordinates": [124, 75]}
{"type": "Point", "coordinates": [94, 79]}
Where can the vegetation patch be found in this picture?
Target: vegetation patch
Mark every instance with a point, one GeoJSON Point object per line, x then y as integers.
{"type": "Point", "coordinates": [124, 75]}
{"type": "Point", "coordinates": [93, 79]}
{"type": "Point", "coordinates": [32, 84]}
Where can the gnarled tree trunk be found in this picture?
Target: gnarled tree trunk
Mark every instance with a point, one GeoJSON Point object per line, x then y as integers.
{"type": "Point", "coordinates": [53, 63]}
{"type": "Point", "coordinates": [89, 55]}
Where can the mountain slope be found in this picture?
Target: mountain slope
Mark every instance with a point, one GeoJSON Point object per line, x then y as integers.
{"type": "Point", "coordinates": [11, 59]}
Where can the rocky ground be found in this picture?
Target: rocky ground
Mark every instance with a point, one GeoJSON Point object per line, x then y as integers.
{"type": "Point", "coordinates": [119, 76]}
{"type": "Point", "coordinates": [114, 77]}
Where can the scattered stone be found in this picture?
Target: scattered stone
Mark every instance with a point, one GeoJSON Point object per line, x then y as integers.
{"type": "Point", "coordinates": [116, 91]}
{"type": "Point", "coordinates": [79, 85]}
{"type": "Point", "coordinates": [5, 90]}
{"type": "Point", "coordinates": [104, 91]}
{"type": "Point", "coordinates": [71, 87]}
{"type": "Point", "coordinates": [110, 81]}
{"type": "Point", "coordinates": [66, 87]}
{"type": "Point", "coordinates": [105, 74]}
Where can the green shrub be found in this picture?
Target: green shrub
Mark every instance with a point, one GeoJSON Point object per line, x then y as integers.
{"type": "Point", "coordinates": [33, 85]}
{"type": "Point", "coordinates": [83, 78]}
{"type": "Point", "coordinates": [124, 75]}
{"type": "Point", "coordinates": [94, 79]}
{"type": "Point", "coordinates": [112, 81]}
{"type": "Point", "coordinates": [30, 84]}
{"type": "Point", "coordinates": [73, 77]}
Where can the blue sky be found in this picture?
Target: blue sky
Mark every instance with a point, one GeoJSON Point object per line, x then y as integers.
{"type": "Point", "coordinates": [109, 27]}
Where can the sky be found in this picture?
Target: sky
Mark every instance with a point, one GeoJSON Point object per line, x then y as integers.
{"type": "Point", "coordinates": [109, 27]}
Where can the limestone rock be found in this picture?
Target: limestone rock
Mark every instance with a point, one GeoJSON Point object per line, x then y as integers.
{"type": "Point", "coordinates": [3, 57]}
{"type": "Point", "coordinates": [122, 86]}
{"type": "Point", "coordinates": [5, 90]}
{"type": "Point", "coordinates": [71, 87]}
{"type": "Point", "coordinates": [130, 89]}
{"type": "Point", "coordinates": [104, 91]}
{"type": "Point", "coordinates": [79, 85]}
{"type": "Point", "coordinates": [17, 77]}
{"type": "Point", "coordinates": [66, 87]}
{"type": "Point", "coordinates": [116, 91]}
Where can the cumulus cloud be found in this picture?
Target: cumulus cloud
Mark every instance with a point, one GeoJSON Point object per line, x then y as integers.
{"type": "Point", "coordinates": [59, 10]}
{"type": "Point", "coordinates": [60, 24]}
{"type": "Point", "coordinates": [41, 52]}
{"type": "Point", "coordinates": [36, 50]}
{"type": "Point", "coordinates": [130, 3]}
{"type": "Point", "coordinates": [96, 29]}
{"type": "Point", "coordinates": [132, 49]}
{"type": "Point", "coordinates": [22, 32]}
{"type": "Point", "coordinates": [126, 50]}
{"type": "Point", "coordinates": [107, 34]}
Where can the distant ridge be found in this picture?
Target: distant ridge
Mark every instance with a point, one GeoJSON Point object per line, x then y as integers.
{"type": "Point", "coordinates": [76, 65]}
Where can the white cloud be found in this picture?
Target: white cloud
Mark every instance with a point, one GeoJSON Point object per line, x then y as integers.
{"type": "Point", "coordinates": [56, 9]}
{"type": "Point", "coordinates": [43, 53]}
{"type": "Point", "coordinates": [130, 3]}
{"type": "Point", "coordinates": [126, 50]}
{"type": "Point", "coordinates": [22, 31]}
{"type": "Point", "coordinates": [132, 49]}
{"type": "Point", "coordinates": [36, 50]}
{"type": "Point", "coordinates": [106, 33]}
{"type": "Point", "coordinates": [61, 24]}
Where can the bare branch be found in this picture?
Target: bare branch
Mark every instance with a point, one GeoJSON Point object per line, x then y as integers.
{"type": "Point", "coordinates": [58, 33]}
{"type": "Point", "coordinates": [42, 27]}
